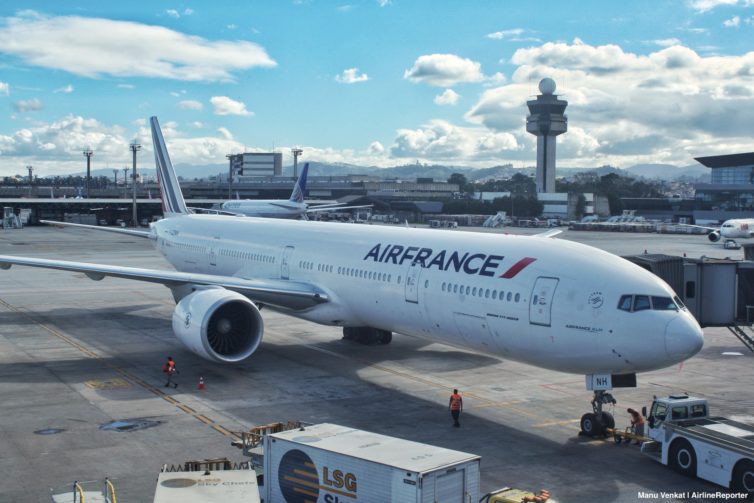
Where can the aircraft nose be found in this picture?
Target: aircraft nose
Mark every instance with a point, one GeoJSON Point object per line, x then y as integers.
{"type": "Point", "coordinates": [683, 337]}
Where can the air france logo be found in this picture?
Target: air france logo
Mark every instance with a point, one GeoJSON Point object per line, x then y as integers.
{"type": "Point", "coordinates": [480, 264]}
{"type": "Point", "coordinates": [299, 481]}
{"type": "Point", "coordinates": [596, 299]}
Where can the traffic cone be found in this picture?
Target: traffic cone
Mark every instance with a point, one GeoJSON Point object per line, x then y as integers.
{"type": "Point", "coordinates": [201, 384]}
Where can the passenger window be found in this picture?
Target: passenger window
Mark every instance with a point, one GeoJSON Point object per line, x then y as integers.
{"type": "Point", "coordinates": [473, 292]}
{"type": "Point", "coordinates": [679, 413]}
{"type": "Point", "coordinates": [663, 304]}
{"type": "Point", "coordinates": [468, 289]}
{"type": "Point", "coordinates": [698, 410]}
{"type": "Point", "coordinates": [641, 302]}
{"type": "Point", "coordinates": [534, 300]}
{"type": "Point", "coordinates": [455, 288]}
{"type": "Point", "coordinates": [509, 296]}
{"type": "Point", "coordinates": [426, 284]}
{"type": "Point", "coordinates": [487, 293]}
{"type": "Point", "coordinates": [443, 287]}
{"type": "Point", "coordinates": [625, 303]}
{"type": "Point", "coordinates": [494, 294]}
{"type": "Point", "coordinates": [518, 297]}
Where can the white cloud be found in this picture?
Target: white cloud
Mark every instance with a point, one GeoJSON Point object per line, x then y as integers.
{"type": "Point", "coordinates": [376, 148]}
{"type": "Point", "coordinates": [232, 26]}
{"type": "Point", "coordinates": [66, 89]}
{"type": "Point", "coordinates": [666, 42]}
{"type": "Point", "coordinates": [626, 108]}
{"type": "Point", "coordinates": [226, 106]}
{"type": "Point", "coordinates": [197, 124]}
{"type": "Point", "coordinates": [125, 86]}
{"type": "Point", "coordinates": [225, 133]}
{"type": "Point", "coordinates": [444, 70]}
{"type": "Point", "coordinates": [733, 22]}
{"type": "Point", "coordinates": [707, 5]}
{"type": "Point", "coordinates": [4, 88]}
{"type": "Point", "coordinates": [190, 105]}
{"type": "Point", "coordinates": [344, 8]}
{"type": "Point", "coordinates": [351, 76]}
{"type": "Point", "coordinates": [32, 105]}
{"type": "Point", "coordinates": [383, 3]}
{"type": "Point", "coordinates": [187, 11]}
{"type": "Point", "coordinates": [172, 13]}
{"type": "Point", "coordinates": [441, 141]}
{"type": "Point", "coordinates": [500, 35]}
{"type": "Point", "coordinates": [85, 46]}
{"type": "Point", "coordinates": [448, 97]}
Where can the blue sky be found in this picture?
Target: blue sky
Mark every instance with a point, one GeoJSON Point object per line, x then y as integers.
{"type": "Point", "coordinates": [373, 82]}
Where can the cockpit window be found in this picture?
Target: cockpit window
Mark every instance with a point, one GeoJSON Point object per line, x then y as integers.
{"type": "Point", "coordinates": [663, 304]}
{"type": "Point", "coordinates": [641, 302]}
{"type": "Point", "coordinates": [625, 303]}
{"type": "Point", "coordinates": [679, 303]}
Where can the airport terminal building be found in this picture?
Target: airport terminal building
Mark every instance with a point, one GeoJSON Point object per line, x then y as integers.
{"type": "Point", "coordinates": [730, 193]}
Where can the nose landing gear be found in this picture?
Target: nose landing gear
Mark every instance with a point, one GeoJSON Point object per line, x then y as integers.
{"type": "Point", "coordinates": [594, 424]}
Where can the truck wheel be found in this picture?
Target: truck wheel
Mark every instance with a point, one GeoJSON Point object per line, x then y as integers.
{"type": "Point", "coordinates": [682, 457]}
{"type": "Point", "coordinates": [590, 426]}
{"type": "Point", "coordinates": [743, 477]}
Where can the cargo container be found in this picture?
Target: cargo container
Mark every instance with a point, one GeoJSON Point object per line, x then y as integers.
{"type": "Point", "coordinates": [327, 463]}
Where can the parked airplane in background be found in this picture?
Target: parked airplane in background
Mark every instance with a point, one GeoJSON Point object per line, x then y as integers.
{"type": "Point", "coordinates": [554, 304]}
{"type": "Point", "coordinates": [293, 207]}
{"type": "Point", "coordinates": [731, 230]}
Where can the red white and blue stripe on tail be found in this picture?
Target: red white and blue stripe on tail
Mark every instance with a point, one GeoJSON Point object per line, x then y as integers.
{"type": "Point", "coordinates": [170, 189]}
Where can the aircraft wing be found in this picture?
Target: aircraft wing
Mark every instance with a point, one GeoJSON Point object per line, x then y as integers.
{"type": "Point", "coordinates": [701, 227]}
{"type": "Point", "coordinates": [280, 293]}
{"type": "Point", "coordinates": [335, 208]}
{"type": "Point", "coordinates": [117, 230]}
{"type": "Point", "coordinates": [548, 234]}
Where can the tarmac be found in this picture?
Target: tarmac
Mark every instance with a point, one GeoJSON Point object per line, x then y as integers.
{"type": "Point", "coordinates": [77, 354]}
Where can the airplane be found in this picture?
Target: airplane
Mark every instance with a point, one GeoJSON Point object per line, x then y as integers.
{"type": "Point", "coordinates": [293, 207]}
{"type": "Point", "coordinates": [731, 229]}
{"type": "Point", "coordinates": [546, 302]}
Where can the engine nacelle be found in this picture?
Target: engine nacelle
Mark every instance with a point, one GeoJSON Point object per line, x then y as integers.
{"type": "Point", "coordinates": [714, 236]}
{"type": "Point", "coordinates": [218, 325]}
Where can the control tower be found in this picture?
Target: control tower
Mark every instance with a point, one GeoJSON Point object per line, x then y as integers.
{"type": "Point", "coordinates": [546, 120]}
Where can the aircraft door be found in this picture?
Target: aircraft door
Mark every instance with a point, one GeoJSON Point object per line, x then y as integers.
{"type": "Point", "coordinates": [285, 269]}
{"type": "Point", "coordinates": [412, 282]}
{"type": "Point", "coordinates": [540, 303]}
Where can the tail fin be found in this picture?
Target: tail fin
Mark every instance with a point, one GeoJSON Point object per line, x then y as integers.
{"type": "Point", "coordinates": [170, 190]}
{"type": "Point", "coordinates": [297, 196]}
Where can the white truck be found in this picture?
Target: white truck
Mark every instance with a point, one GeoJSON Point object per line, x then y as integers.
{"type": "Point", "coordinates": [327, 463]}
{"type": "Point", "coordinates": [686, 438]}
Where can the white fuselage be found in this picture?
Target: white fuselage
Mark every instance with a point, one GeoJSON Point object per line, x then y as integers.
{"type": "Point", "coordinates": [268, 208]}
{"type": "Point", "coordinates": [550, 303]}
{"type": "Point", "coordinates": [737, 228]}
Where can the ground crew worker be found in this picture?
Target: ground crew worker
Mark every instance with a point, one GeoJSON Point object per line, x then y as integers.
{"type": "Point", "coordinates": [455, 405]}
{"type": "Point", "coordinates": [170, 369]}
{"type": "Point", "coordinates": [637, 422]}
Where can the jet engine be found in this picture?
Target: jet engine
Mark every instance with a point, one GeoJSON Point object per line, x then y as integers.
{"type": "Point", "coordinates": [218, 325]}
{"type": "Point", "coordinates": [714, 236]}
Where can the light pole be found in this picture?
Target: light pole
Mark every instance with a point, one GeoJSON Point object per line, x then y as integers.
{"type": "Point", "coordinates": [229, 157]}
{"type": "Point", "coordinates": [135, 147]}
{"type": "Point", "coordinates": [296, 152]}
{"type": "Point", "coordinates": [115, 172]}
{"type": "Point", "coordinates": [88, 154]}
{"type": "Point", "coordinates": [31, 170]}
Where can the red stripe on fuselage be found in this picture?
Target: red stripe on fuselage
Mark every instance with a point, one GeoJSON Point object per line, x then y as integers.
{"type": "Point", "coordinates": [517, 267]}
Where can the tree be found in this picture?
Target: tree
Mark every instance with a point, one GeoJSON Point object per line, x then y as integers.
{"type": "Point", "coordinates": [462, 182]}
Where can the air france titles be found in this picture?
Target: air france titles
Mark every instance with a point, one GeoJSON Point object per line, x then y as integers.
{"type": "Point", "coordinates": [470, 263]}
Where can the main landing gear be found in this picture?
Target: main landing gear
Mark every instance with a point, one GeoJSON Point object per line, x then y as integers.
{"type": "Point", "coordinates": [594, 424]}
{"type": "Point", "coordinates": [367, 335]}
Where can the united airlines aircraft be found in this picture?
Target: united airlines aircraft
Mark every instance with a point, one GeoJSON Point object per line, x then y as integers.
{"type": "Point", "coordinates": [293, 207]}
{"type": "Point", "coordinates": [550, 303]}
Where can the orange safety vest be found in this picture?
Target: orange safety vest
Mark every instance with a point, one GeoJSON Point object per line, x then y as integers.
{"type": "Point", "coordinates": [455, 402]}
{"type": "Point", "coordinates": [637, 419]}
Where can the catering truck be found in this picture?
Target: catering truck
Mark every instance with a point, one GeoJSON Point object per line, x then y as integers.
{"type": "Point", "coordinates": [689, 440]}
{"type": "Point", "coordinates": [327, 463]}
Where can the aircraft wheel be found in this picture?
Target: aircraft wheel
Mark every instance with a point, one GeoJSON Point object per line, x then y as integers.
{"type": "Point", "coordinates": [384, 337]}
{"type": "Point", "coordinates": [349, 333]}
{"type": "Point", "coordinates": [608, 421]}
{"type": "Point", "coordinates": [590, 426]}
